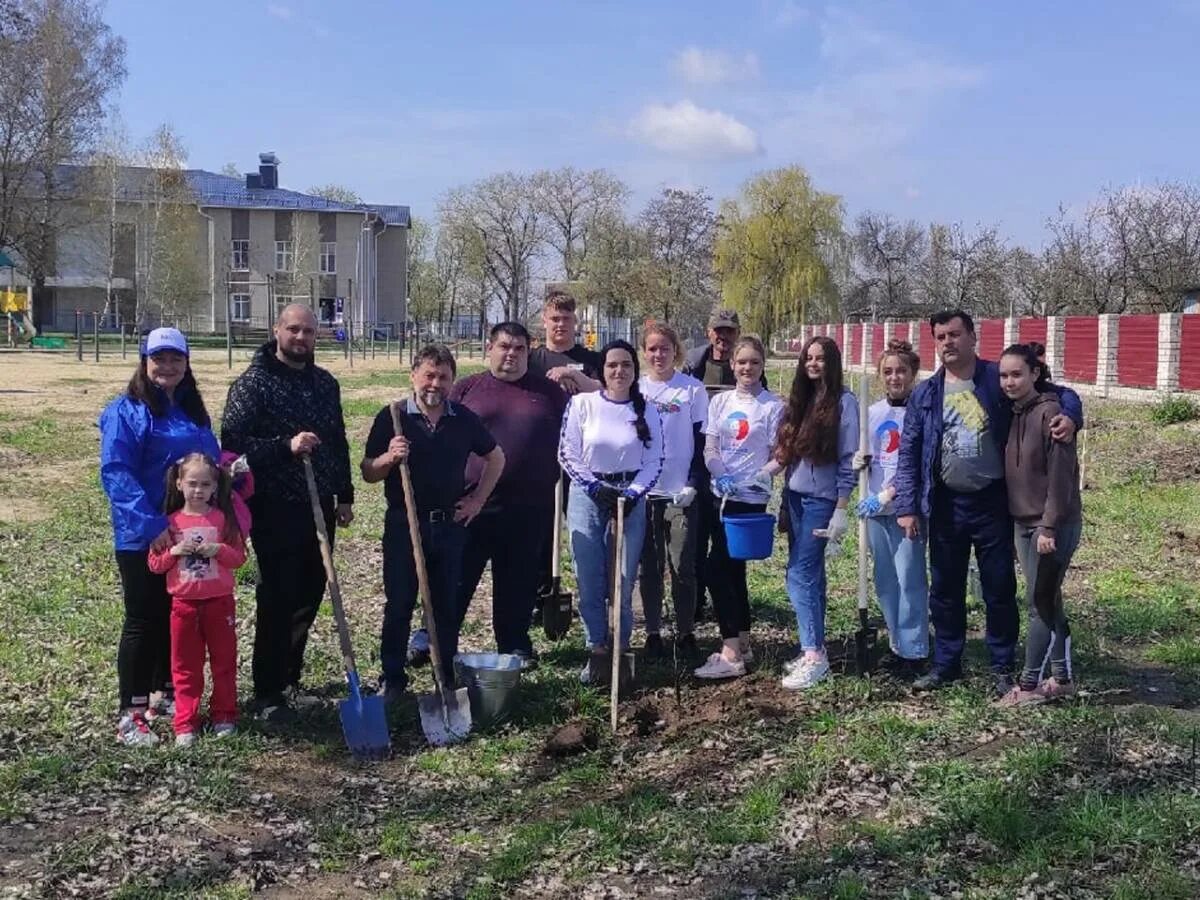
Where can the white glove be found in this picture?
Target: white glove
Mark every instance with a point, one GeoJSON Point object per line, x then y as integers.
{"type": "Point", "coordinates": [761, 481]}
{"type": "Point", "coordinates": [684, 498]}
{"type": "Point", "coordinates": [838, 526]}
{"type": "Point", "coordinates": [861, 461]}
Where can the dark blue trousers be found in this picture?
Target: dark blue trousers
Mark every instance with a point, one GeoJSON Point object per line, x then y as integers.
{"type": "Point", "coordinates": [960, 522]}
{"type": "Point", "coordinates": [443, 544]}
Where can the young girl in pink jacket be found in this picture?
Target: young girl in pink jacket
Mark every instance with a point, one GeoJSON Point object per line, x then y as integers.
{"type": "Point", "coordinates": [207, 549]}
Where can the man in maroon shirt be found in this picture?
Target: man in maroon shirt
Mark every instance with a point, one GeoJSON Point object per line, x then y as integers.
{"type": "Point", "coordinates": [523, 411]}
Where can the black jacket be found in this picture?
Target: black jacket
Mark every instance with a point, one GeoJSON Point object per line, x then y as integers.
{"type": "Point", "coordinates": [267, 405]}
{"type": "Point", "coordinates": [697, 359]}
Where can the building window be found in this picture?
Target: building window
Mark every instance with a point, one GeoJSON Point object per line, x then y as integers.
{"type": "Point", "coordinates": [241, 307]}
{"type": "Point", "coordinates": [239, 256]}
{"type": "Point", "coordinates": [285, 256]}
{"type": "Point", "coordinates": [283, 301]}
{"type": "Point", "coordinates": [328, 258]}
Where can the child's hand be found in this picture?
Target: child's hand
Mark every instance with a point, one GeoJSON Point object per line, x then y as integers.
{"type": "Point", "coordinates": [208, 550]}
{"type": "Point", "coordinates": [183, 548]}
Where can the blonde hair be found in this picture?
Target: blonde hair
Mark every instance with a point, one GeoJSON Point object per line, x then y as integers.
{"type": "Point", "coordinates": [666, 331]}
{"type": "Point", "coordinates": [904, 350]}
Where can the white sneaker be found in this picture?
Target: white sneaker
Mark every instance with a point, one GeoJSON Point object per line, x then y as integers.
{"type": "Point", "coordinates": [224, 729]}
{"type": "Point", "coordinates": [186, 739]}
{"type": "Point", "coordinates": [792, 665]}
{"type": "Point", "coordinates": [805, 673]}
{"type": "Point", "coordinates": [134, 731]}
{"type": "Point", "coordinates": [718, 666]}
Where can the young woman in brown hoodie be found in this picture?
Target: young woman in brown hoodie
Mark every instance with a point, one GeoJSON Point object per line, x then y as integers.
{"type": "Point", "coordinates": [1043, 496]}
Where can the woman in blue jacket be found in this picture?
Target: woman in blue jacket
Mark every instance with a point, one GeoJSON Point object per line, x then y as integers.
{"type": "Point", "coordinates": [160, 418]}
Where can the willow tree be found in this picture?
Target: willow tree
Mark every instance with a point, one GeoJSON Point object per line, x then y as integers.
{"type": "Point", "coordinates": [771, 253]}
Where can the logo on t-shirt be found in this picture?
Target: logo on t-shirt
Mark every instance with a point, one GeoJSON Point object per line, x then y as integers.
{"type": "Point", "coordinates": [669, 405]}
{"type": "Point", "coordinates": [738, 424]}
{"type": "Point", "coordinates": [888, 435]}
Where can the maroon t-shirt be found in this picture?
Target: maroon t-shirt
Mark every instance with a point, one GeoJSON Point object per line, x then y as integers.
{"type": "Point", "coordinates": [525, 418]}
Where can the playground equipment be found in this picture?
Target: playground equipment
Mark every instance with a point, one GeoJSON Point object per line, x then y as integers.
{"type": "Point", "coordinates": [14, 307]}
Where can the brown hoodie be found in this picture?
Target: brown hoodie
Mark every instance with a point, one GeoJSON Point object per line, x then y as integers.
{"type": "Point", "coordinates": [1042, 473]}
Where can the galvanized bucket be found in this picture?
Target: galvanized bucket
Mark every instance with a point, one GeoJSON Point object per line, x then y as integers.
{"type": "Point", "coordinates": [492, 681]}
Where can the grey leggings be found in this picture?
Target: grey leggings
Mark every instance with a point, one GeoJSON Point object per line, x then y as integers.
{"type": "Point", "coordinates": [1049, 637]}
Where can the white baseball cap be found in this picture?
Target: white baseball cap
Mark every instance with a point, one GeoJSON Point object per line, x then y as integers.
{"type": "Point", "coordinates": [165, 339]}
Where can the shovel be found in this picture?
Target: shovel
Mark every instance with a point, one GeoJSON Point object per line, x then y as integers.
{"type": "Point", "coordinates": [557, 604]}
{"type": "Point", "coordinates": [446, 714]}
{"type": "Point", "coordinates": [364, 720]}
{"type": "Point", "coordinates": [867, 635]}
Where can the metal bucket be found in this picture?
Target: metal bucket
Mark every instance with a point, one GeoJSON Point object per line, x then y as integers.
{"type": "Point", "coordinates": [492, 681]}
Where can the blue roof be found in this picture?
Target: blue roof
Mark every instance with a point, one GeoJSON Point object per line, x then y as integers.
{"type": "Point", "coordinates": [215, 190]}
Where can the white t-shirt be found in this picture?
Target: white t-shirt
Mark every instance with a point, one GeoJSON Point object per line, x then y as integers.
{"type": "Point", "coordinates": [885, 424]}
{"type": "Point", "coordinates": [682, 403]}
{"type": "Point", "coordinates": [599, 435]}
{"type": "Point", "coordinates": [744, 427]}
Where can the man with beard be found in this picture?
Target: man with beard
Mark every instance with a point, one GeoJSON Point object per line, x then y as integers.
{"type": "Point", "coordinates": [524, 412]}
{"type": "Point", "coordinates": [284, 407]}
{"type": "Point", "coordinates": [437, 438]}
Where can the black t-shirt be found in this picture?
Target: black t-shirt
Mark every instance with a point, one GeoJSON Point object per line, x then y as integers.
{"type": "Point", "coordinates": [543, 359]}
{"type": "Point", "coordinates": [437, 457]}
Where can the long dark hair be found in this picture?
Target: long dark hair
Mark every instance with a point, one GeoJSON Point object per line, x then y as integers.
{"type": "Point", "coordinates": [809, 429]}
{"type": "Point", "coordinates": [187, 394]}
{"type": "Point", "coordinates": [222, 499]}
{"type": "Point", "coordinates": [1031, 354]}
{"type": "Point", "coordinates": [635, 392]}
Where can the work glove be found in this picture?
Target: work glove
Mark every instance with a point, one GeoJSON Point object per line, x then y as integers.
{"type": "Point", "coordinates": [871, 506]}
{"type": "Point", "coordinates": [861, 461]}
{"type": "Point", "coordinates": [605, 496]}
{"type": "Point", "coordinates": [838, 526]}
{"type": "Point", "coordinates": [630, 498]}
{"type": "Point", "coordinates": [724, 485]}
{"type": "Point", "coordinates": [684, 498]}
{"type": "Point", "coordinates": [761, 481]}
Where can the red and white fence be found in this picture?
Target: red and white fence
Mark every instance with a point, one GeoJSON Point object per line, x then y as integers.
{"type": "Point", "coordinates": [1109, 356]}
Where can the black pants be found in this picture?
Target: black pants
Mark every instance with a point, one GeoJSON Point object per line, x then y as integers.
{"type": "Point", "coordinates": [512, 541]}
{"type": "Point", "coordinates": [442, 543]}
{"type": "Point", "coordinates": [291, 584]}
{"type": "Point", "coordinates": [144, 654]}
{"type": "Point", "coordinates": [708, 520]}
{"type": "Point", "coordinates": [727, 576]}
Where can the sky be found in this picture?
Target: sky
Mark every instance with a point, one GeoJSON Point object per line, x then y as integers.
{"type": "Point", "coordinates": [983, 113]}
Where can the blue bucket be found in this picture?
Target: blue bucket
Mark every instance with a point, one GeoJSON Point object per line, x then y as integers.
{"type": "Point", "coordinates": [749, 535]}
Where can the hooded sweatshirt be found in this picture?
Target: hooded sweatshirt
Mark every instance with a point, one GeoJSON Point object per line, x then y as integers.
{"type": "Point", "coordinates": [1042, 474]}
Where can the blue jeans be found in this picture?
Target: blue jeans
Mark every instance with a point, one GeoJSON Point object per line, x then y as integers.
{"type": "Point", "coordinates": [443, 544]}
{"type": "Point", "coordinates": [806, 585]}
{"type": "Point", "coordinates": [960, 522]}
{"type": "Point", "coordinates": [901, 586]}
{"type": "Point", "coordinates": [591, 546]}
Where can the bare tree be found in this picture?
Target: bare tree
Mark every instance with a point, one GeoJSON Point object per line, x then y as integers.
{"type": "Point", "coordinates": [573, 203]}
{"type": "Point", "coordinates": [887, 262]}
{"type": "Point", "coordinates": [965, 269]}
{"type": "Point", "coordinates": [681, 229]}
{"type": "Point", "coordinates": [336, 192]}
{"type": "Point", "coordinates": [231, 169]}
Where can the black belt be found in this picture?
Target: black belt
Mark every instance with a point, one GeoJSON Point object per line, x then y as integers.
{"type": "Point", "coordinates": [615, 477]}
{"type": "Point", "coordinates": [432, 516]}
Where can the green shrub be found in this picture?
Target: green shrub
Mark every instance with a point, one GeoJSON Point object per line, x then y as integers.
{"type": "Point", "coordinates": [1174, 409]}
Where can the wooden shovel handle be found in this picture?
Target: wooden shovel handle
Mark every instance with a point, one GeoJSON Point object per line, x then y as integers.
{"type": "Point", "coordinates": [864, 446]}
{"type": "Point", "coordinates": [335, 591]}
{"type": "Point", "coordinates": [615, 614]}
{"type": "Point", "coordinates": [414, 536]}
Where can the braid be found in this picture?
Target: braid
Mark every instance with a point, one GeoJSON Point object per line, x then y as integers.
{"type": "Point", "coordinates": [639, 410]}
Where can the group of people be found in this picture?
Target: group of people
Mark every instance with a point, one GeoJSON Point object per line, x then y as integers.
{"type": "Point", "coordinates": [980, 456]}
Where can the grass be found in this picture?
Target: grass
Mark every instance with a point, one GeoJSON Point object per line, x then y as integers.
{"type": "Point", "coordinates": [897, 793]}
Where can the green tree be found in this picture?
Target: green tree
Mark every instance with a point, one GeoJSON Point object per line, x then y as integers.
{"type": "Point", "coordinates": [771, 251]}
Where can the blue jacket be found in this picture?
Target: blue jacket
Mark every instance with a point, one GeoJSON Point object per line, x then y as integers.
{"type": "Point", "coordinates": [835, 480]}
{"type": "Point", "coordinates": [136, 449]}
{"type": "Point", "coordinates": [921, 439]}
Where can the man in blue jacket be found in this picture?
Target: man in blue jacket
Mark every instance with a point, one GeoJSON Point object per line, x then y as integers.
{"type": "Point", "coordinates": [951, 475]}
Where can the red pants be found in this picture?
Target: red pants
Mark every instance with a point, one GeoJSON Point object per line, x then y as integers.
{"type": "Point", "coordinates": [197, 625]}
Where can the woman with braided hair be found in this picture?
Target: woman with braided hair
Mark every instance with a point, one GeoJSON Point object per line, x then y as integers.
{"type": "Point", "coordinates": [611, 447]}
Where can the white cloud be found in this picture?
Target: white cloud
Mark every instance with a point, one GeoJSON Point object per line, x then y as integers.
{"type": "Point", "coordinates": [698, 66]}
{"type": "Point", "coordinates": [279, 11]}
{"type": "Point", "coordinates": [689, 130]}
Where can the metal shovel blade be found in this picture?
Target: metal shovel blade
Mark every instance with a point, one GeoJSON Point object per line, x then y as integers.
{"type": "Point", "coordinates": [364, 722]}
{"type": "Point", "coordinates": [865, 640]}
{"type": "Point", "coordinates": [445, 719]}
{"type": "Point", "coordinates": [557, 609]}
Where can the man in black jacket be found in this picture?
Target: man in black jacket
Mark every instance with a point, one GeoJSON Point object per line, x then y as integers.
{"type": "Point", "coordinates": [280, 409]}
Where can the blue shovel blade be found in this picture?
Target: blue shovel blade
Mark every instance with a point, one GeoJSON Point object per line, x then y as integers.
{"type": "Point", "coordinates": [364, 722]}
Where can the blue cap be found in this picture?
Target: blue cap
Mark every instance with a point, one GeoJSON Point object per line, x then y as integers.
{"type": "Point", "coordinates": [165, 339]}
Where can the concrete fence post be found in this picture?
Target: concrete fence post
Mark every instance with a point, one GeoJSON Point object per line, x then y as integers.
{"type": "Point", "coordinates": [889, 332]}
{"type": "Point", "coordinates": [1106, 353]}
{"type": "Point", "coordinates": [1055, 344]}
{"type": "Point", "coordinates": [1169, 327]}
{"type": "Point", "coordinates": [1012, 330]}
{"type": "Point", "coordinates": [868, 343]}
{"type": "Point", "coordinates": [915, 337]}
{"type": "Point", "coordinates": [847, 362]}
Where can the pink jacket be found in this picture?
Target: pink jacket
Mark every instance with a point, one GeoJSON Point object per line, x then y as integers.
{"type": "Point", "coordinates": [243, 489]}
{"type": "Point", "coordinates": [198, 577]}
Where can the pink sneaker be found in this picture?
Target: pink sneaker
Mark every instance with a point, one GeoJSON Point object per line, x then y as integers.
{"type": "Point", "coordinates": [1053, 689]}
{"type": "Point", "coordinates": [1018, 697]}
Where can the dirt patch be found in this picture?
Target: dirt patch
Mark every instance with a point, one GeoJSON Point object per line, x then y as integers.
{"type": "Point", "coordinates": [22, 509]}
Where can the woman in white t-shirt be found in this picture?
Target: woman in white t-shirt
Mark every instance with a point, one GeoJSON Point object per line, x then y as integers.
{"type": "Point", "coordinates": [671, 514]}
{"type": "Point", "coordinates": [611, 448]}
{"type": "Point", "coordinates": [739, 438]}
{"type": "Point", "coordinates": [899, 561]}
